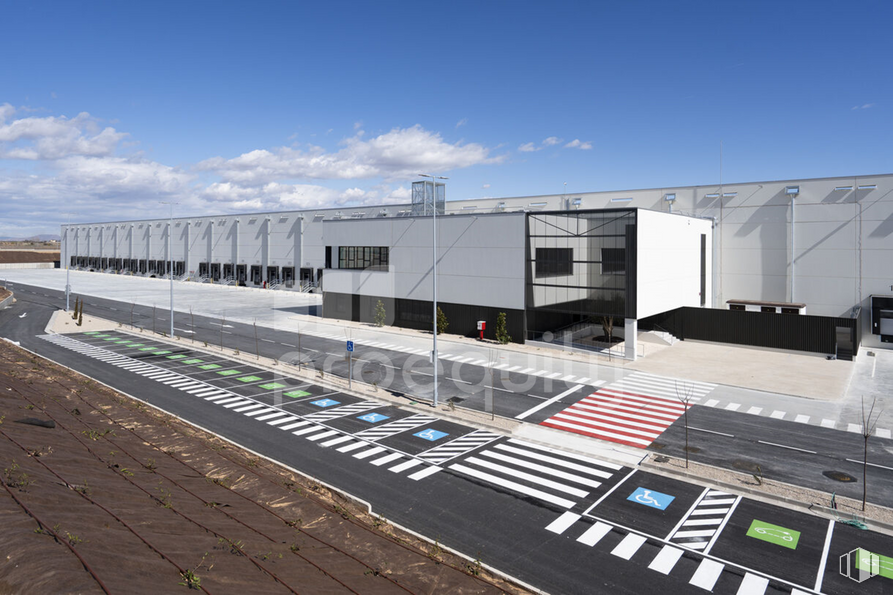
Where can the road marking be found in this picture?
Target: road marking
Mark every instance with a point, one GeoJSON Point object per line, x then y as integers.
{"type": "Point", "coordinates": [268, 340]}
{"type": "Point", "coordinates": [733, 406]}
{"type": "Point", "coordinates": [666, 559]}
{"type": "Point", "coordinates": [753, 585]}
{"type": "Point", "coordinates": [285, 419]}
{"type": "Point", "coordinates": [547, 483]}
{"type": "Point", "coordinates": [594, 534]}
{"type": "Point", "coordinates": [543, 469]}
{"type": "Point", "coordinates": [812, 452]}
{"type": "Point", "coordinates": [287, 344]}
{"type": "Point", "coordinates": [707, 574]}
{"type": "Point", "coordinates": [777, 415]}
{"type": "Point", "coordinates": [353, 446]}
{"type": "Point", "coordinates": [294, 425]}
{"type": "Point", "coordinates": [386, 459]}
{"type": "Point", "coordinates": [881, 433]}
{"type": "Point", "coordinates": [425, 473]}
{"type": "Point", "coordinates": [321, 435]}
{"type": "Point", "coordinates": [545, 404]}
{"type": "Point", "coordinates": [629, 546]}
{"type": "Point", "coordinates": [338, 440]}
{"type": "Point", "coordinates": [710, 403]}
{"type": "Point", "coordinates": [517, 487]}
{"type": "Point", "coordinates": [404, 466]}
{"type": "Point", "coordinates": [870, 464]}
{"type": "Point", "coordinates": [711, 431]}
{"type": "Point", "coordinates": [553, 375]}
{"type": "Point", "coordinates": [561, 524]}
{"type": "Point", "coordinates": [828, 423]}
{"type": "Point", "coordinates": [821, 573]}
{"type": "Point", "coordinates": [802, 419]}
{"type": "Point", "coordinates": [755, 410]}
{"type": "Point", "coordinates": [855, 428]}
{"type": "Point", "coordinates": [303, 431]}
{"type": "Point", "coordinates": [368, 453]}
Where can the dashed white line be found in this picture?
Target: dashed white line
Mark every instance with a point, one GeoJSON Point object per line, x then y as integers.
{"type": "Point", "coordinates": [812, 452]}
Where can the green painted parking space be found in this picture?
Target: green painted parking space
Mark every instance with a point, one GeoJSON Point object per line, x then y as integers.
{"type": "Point", "coordinates": [136, 345]}
{"type": "Point", "coordinates": [178, 356]}
{"type": "Point", "coordinates": [271, 385]}
{"type": "Point", "coordinates": [224, 372]}
{"type": "Point", "coordinates": [148, 348]}
{"type": "Point", "coordinates": [297, 394]}
{"type": "Point", "coordinates": [110, 339]}
{"type": "Point", "coordinates": [249, 378]}
{"type": "Point", "coordinates": [162, 352]}
{"type": "Point", "coordinates": [774, 534]}
{"type": "Point", "coordinates": [208, 366]}
{"type": "Point", "coordinates": [123, 342]}
{"type": "Point", "coordinates": [876, 564]}
{"type": "Point", "coordinates": [91, 332]}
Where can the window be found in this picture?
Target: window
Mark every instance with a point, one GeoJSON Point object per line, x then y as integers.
{"type": "Point", "coordinates": [613, 261]}
{"type": "Point", "coordinates": [363, 257]}
{"type": "Point", "coordinates": [769, 309]}
{"type": "Point", "coordinates": [737, 307]}
{"type": "Point", "coordinates": [554, 262]}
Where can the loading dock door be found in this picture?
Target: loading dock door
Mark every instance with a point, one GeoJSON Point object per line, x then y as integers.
{"type": "Point", "coordinates": [255, 274]}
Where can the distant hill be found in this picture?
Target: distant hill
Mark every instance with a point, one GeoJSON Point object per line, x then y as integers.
{"type": "Point", "coordinates": [44, 237]}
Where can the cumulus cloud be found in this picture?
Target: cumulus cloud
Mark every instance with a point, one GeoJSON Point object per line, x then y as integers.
{"type": "Point", "coordinates": [528, 148]}
{"type": "Point", "coordinates": [864, 106]}
{"type": "Point", "coordinates": [54, 137]}
{"type": "Point", "coordinates": [485, 186]}
{"type": "Point", "coordinates": [552, 140]}
{"type": "Point", "coordinates": [578, 144]}
{"type": "Point", "coordinates": [400, 153]}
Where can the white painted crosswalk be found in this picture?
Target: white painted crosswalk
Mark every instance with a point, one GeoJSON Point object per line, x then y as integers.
{"type": "Point", "coordinates": [705, 520]}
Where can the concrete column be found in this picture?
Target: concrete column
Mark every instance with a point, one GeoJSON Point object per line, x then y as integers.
{"type": "Point", "coordinates": [630, 337]}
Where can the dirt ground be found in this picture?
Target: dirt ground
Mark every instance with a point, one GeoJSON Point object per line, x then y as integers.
{"type": "Point", "coordinates": [22, 256]}
{"type": "Point", "coordinates": [100, 493]}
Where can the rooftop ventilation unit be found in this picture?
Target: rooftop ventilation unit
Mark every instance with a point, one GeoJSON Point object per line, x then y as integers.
{"type": "Point", "coordinates": [625, 199]}
{"type": "Point", "coordinates": [283, 220]}
{"type": "Point", "coordinates": [383, 213]}
{"type": "Point", "coordinates": [252, 221]}
{"type": "Point", "coordinates": [537, 205]}
{"type": "Point", "coordinates": [469, 208]}
{"type": "Point", "coordinates": [729, 194]}
{"type": "Point", "coordinates": [338, 215]}
{"type": "Point", "coordinates": [712, 195]}
{"type": "Point", "coordinates": [500, 206]}
{"type": "Point", "coordinates": [358, 214]}
{"type": "Point", "coordinates": [576, 202]}
{"type": "Point", "coordinates": [669, 197]}
{"type": "Point", "coordinates": [318, 216]}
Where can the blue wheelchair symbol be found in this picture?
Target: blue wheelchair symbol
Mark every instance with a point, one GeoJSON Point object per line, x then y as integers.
{"type": "Point", "coordinates": [324, 403]}
{"type": "Point", "coordinates": [373, 417]}
{"type": "Point", "coordinates": [651, 498]}
{"type": "Point", "coordinates": [350, 345]}
{"type": "Point", "coordinates": [430, 434]}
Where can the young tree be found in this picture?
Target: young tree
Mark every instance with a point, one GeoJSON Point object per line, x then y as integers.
{"type": "Point", "coordinates": [502, 334]}
{"type": "Point", "coordinates": [608, 328]}
{"type": "Point", "coordinates": [442, 322]}
{"type": "Point", "coordinates": [380, 314]}
{"type": "Point", "coordinates": [685, 394]}
{"type": "Point", "coordinates": [81, 318]}
{"type": "Point", "coordinates": [868, 425]}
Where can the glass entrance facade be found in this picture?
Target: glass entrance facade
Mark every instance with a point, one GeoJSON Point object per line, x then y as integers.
{"type": "Point", "coordinates": [581, 266]}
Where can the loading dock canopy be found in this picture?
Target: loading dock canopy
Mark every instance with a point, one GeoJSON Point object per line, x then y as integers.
{"type": "Point", "coordinates": [770, 304]}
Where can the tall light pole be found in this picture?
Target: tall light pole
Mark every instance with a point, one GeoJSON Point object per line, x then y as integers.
{"type": "Point", "coordinates": [67, 264]}
{"type": "Point", "coordinates": [170, 258]}
{"type": "Point", "coordinates": [434, 268]}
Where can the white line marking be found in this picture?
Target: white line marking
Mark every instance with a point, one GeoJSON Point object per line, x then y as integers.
{"type": "Point", "coordinates": [755, 410]}
{"type": "Point", "coordinates": [802, 419]}
{"type": "Point", "coordinates": [368, 453]}
{"type": "Point", "coordinates": [870, 464]}
{"type": "Point", "coordinates": [882, 433]}
{"type": "Point", "coordinates": [707, 574]}
{"type": "Point", "coordinates": [425, 473]}
{"type": "Point", "coordinates": [548, 483]}
{"type": "Point", "coordinates": [710, 403]}
{"type": "Point", "coordinates": [666, 559]}
{"type": "Point", "coordinates": [404, 466]}
{"type": "Point", "coordinates": [733, 406]}
{"type": "Point", "coordinates": [561, 524]}
{"type": "Point", "coordinates": [321, 435]}
{"type": "Point", "coordinates": [386, 459]}
{"type": "Point", "coordinates": [303, 431]}
{"type": "Point", "coordinates": [517, 487]}
{"type": "Point", "coordinates": [544, 404]}
{"type": "Point", "coordinates": [337, 440]}
{"type": "Point", "coordinates": [285, 419]}
{"type": "Point", "coordinates": [812, 452]}
{"type": "Point", "coordinates": [294, 425]}
{"type": "Point", "coordinates": [353, 446]}
{"type": "Point", "coordinates": [753, 585]}
{"type": "Point", "coordinates": [777, 415]}
{"type": "Point", "coordinates": [629, 546]}
{"type": "Point", "coordinates": [821, 573]}
{"type": "Point", "coordinates": [594, 534]}
{"type": "Point", "coordinates": [855, 428]}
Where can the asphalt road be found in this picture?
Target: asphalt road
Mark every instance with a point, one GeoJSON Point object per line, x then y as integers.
{"type": "Point", "coordinates": [562, 523]}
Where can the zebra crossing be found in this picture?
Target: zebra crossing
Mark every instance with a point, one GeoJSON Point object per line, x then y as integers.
{"type": "Point", "coordinates": [536, 471]}
{"type": "Point", "coordinates": [360, 446]}
{"type": "Point", "coordinates": [455, 448]}
{"type": "Point", "coordinates": [664, 555]}
{"type": "Point", "coordinates": [633, 411]}
{"type": "Point", "coordinates": [706, 519]}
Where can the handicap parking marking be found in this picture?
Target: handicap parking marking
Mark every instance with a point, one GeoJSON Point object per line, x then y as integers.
{"type": "Point", "coordinates": [430, 434]}
{"type": "Point", "coordinates": [774, 534]}
{"type": "Point", "coordinates": [373, 418]}
{"type": "Point", "coordinates": [651, 498]}
{"type": "Point", "coordinates": [325, 402]}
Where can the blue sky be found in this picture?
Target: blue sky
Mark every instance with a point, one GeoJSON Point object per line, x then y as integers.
{"type": "Point", "coordinates": [107, 108]}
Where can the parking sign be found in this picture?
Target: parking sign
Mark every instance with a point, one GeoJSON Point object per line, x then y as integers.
{"type": "Point", "coordinates": [350, 345]}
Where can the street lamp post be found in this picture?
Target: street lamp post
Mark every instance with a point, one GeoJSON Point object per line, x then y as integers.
{"type": "Point", "coordinates": [434, 179]}
{"type": "Point", "coordinates": [67, 264]}
{"type": "Point", "coordinates": [170, 258]}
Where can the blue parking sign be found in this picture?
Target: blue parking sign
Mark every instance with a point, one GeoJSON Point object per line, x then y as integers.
{"type": "Point", "coordinates": [350, 345]}
{"type": "Point", "coordinates": [651, 498]}
{"type": "Point", "coordinates": [373, 417]}
{"type": "Point", "coordinates": [430, 434]}
{"type": "Point", "coordinates": [324, 402]}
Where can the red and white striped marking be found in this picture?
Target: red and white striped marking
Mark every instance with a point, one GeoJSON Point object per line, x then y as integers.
{"type": "Point", "coordinates": [633, 411]}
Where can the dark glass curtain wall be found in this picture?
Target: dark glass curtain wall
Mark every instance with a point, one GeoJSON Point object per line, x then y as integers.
{"type": "Point", "coordinates": [580, 266]}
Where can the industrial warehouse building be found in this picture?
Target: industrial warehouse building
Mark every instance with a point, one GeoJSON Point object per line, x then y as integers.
{"type": "Point", "coordinates": [798, 264]}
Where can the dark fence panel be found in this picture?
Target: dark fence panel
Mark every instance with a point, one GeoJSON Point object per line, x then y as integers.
{"type": "Point", "coordinates": [816, 334]}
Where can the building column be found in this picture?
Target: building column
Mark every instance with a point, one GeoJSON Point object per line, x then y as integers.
{"type": "Point", "coordinates": [630, 337]}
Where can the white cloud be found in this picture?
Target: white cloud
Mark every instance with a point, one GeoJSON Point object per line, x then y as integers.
{"type": "Point", "coordinates": [485, 186]}
{"type": "Point", "coordinates": [864, 106]}
{"type": "Point", "coordinates": [462, 122]}
{"type": "Point", "coordinates": [528, 148]}
{"type": "Point", "coordinates": [54, 137]}
{"type": "Point", "coordinates": [552, 140]}
{"type": "Point", "coordinates": [578, 144]}
{"type": "Point", "coordinates": [400, 153]}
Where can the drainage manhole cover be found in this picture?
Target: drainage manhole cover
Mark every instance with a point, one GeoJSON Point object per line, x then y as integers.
{"type": "Point", "coordinates": [746, 466]}
{"type": "Point", "coordinates": [839, 476]}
